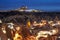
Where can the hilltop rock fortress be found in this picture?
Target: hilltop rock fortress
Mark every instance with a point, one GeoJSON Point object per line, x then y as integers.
{"type": "Point", "coordinates": [25, 9]}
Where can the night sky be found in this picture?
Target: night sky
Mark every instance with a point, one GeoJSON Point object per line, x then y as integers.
{"type": "Point", "coordinates": [45, 5]}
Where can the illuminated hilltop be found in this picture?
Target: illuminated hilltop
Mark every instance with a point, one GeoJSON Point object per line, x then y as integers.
{"type": "Point", "coordinates": [25, 9]}
{"type": "Point", "coordinates": [22, 9]}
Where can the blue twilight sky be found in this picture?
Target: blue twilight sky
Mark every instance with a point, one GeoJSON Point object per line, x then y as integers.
{"type": "Point", "coordinates": [45, 5]}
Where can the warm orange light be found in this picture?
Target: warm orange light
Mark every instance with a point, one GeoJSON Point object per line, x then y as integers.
{"type": "Point", "coordinates": [17, 37]}
{"type": "Point", "coordinates": [34, 21]}
{"type": "Point", "coordinates": [41, 24]}
{"type": "Point", "coordinates": [46, 33]}
{"type": "Point", "coordinates": [3, 30]}
{"type": "Point", "coordinates": [58, 22]}
{"type": "Point", "coordinates": [28, 24]}
{"type": "Point", "coordinates": [50, 22]}
{"type": "Point", "coordinates": [42, 34]}
{"type": "Point", "coordinates": [54, 31]}
{"type": "Point", "coordinates": [17, 28]}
